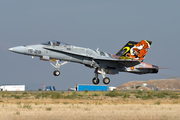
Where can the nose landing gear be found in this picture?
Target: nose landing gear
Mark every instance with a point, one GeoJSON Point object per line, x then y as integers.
{"type": "Point", "coordinates": [57, 66]}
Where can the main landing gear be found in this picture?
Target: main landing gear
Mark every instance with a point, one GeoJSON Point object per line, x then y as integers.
{"type": "Point", "coordinates": [95, 80]}
{"type": "Point", "coordinates": [57, 66]}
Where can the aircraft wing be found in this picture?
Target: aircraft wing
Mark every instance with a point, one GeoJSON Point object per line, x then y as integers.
{"type": "Point", "coordinates": [127, 63]}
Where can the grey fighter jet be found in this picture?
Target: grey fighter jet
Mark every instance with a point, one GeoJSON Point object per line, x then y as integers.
{"type": "Point", "coordinates": [128, 59]}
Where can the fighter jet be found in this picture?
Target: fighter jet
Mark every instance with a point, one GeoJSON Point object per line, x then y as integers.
{"type": "Point", "coordinates": [128, 59]}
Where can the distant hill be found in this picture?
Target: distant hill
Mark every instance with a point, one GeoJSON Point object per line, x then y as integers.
{"type": "Point", "coordinates": [162, 84]}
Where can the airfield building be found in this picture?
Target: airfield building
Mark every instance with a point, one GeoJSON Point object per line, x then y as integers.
{"type": "Point", "coordinates": [12, 88]}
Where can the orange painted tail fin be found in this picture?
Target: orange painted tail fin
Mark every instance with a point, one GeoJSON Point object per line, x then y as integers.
{"type": "Point", "coordinates": [134, 50]}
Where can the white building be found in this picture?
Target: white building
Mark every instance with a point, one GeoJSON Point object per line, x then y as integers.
{"type": "Point", "coordinates": [12, 88]}
{"type": "Point", "coordinates": [112, 88]}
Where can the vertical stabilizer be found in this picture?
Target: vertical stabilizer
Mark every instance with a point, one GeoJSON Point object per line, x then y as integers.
{"type": "Point", "coordinates": [134, 50]}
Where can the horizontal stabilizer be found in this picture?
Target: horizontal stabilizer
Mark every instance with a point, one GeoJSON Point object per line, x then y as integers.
{"type": "Point", "coordinates": [129, 63]}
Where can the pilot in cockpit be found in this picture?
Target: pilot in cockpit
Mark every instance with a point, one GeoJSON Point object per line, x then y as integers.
{"type": "Point", "coordinates": [56, 43]}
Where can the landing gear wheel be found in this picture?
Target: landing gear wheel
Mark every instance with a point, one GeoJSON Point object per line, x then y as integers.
{"type": "Point", "coordinates": [56, 73]}
{"type": "Point", "coordinates": [106, 80]}
{"type": "Point", "coordinates": [95, 80]}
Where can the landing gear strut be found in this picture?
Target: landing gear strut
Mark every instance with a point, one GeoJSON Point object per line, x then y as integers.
{"type": "Point", "coordinates": [95, 80]}
{"type": "Point", "coordinates": [57, 66]}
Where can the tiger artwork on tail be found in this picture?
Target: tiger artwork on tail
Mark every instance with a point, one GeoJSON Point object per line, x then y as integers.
{"type": "Point", "coordinates": [134, 50]}
{"type": "Point", "coordinates": [139, 51]}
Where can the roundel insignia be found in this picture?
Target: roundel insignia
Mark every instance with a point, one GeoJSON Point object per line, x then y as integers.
{"type": "Point", "coordinates": [132, 68]}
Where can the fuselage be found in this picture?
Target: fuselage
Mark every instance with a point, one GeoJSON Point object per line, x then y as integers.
{"type": "Point", "coordinates": [90, 58]}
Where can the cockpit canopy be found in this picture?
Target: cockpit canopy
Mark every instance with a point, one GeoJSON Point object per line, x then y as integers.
{"type": "Point", "coordinates": [54, 43]}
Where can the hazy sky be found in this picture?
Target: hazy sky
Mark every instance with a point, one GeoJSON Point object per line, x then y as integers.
{"type": "Point", "coordinates": [107, 24]}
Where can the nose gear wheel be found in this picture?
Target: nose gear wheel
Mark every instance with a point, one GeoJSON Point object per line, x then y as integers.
{"type": "Point", "coordinates": [57, 66]}
{"type": "Point", "coordinates": [56, 73]}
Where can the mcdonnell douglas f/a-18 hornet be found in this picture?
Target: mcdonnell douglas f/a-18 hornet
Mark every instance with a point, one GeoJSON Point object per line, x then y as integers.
{"type": "Point", "coordinates": [128, 59]}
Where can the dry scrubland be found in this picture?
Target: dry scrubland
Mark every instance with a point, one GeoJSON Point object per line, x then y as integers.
{"type": "Point", "coordinates": [162, 84]}
{"type": "Point", "coordinates": [90, 105]}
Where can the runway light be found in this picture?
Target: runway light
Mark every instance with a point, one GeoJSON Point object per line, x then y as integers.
{"type": "Point", "coordinates": [32, 57]}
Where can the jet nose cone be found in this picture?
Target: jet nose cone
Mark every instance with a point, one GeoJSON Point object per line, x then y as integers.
{"type": "Point", "coordinates": [19, 49]}
{"type": "Point", "coordinates": [10, 49]}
